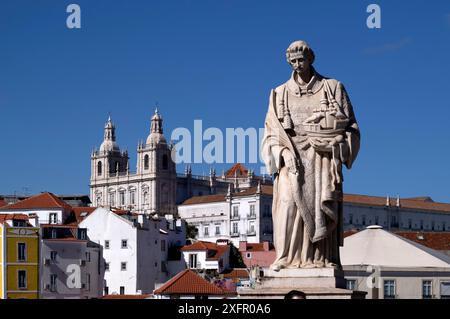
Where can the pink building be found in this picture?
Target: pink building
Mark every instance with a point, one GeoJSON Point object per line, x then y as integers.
{"type": "Point", "coordinates": [261, 254]}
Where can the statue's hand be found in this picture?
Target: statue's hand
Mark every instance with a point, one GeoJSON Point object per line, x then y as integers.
{"type": "Point", "coordinates": [321, 146]}
{"type": "Point", "coordinates": [290, 161]}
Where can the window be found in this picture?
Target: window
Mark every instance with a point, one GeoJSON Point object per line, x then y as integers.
{"type": "Point", "coordinates": [145, 197]}
{"type": "Point", "coordinates": [376, 220]}
{"type": "Point", "coordinates": [146, 161]}
{"type": "Point", "coordinates": [88, 256]}
{"type": "Point", "coordinates": [123, 266]}
{"type": "Point", "coordinates": [235, 211]}
{"type": "Point", "coordinates": [132, 197]}
{"type": "Point", "coordinates": [252, 210]}
{"type": "Point", "coordinates": [53, 255]}
{"type": "Point", "coordinates": [351, 284]}
{"type": "Point", "coordinates": [106, 244]}
{"type": "Point", "coordinates": [122, 198]}
{"type": "Point", "coordinates": [53, 233]}
{"type": "Point", "coordinates": [445, 290]}
{"type": "Point", "coordinates": [350, 219]}
{"type": "Point", "coordinates": [122, 290]}
{"type": "Point", "coordinates": [251, 228]}
{"type": "Point", "coordinates": [124, 243]}
{"type": "Point", "coordinates": [217, 229]}
{"type": "Point", "coordinates": [99, 168]}
{"type": "Point", "coordinates": [192, 260]}
{"type": "Point", "coordinates": [19, 223]}
{"type": "Point", "coordinates": [165, 162]}
{"type": "Point", "coordinates": [206, 231]}
{"type": "Point", "coordinates": [443, 225]}
{"type": "Point", "coordinates": [389, 289]}
{"type": "Point", "coordinates": [106, 266]}
{"type": "Point", "coordinates": [112, 202]}
{"type": "Point", "coordinates": [427, 289]}
{"type": "Point", "coordinates": [163, 245]}
{"type": "Point", "coordinates": [22, 279]}
{"type": "Point", "coordinates": [248, 255]}
{"type": "Point", "coordinates": [235, 228]}
{"type": "Point", "coordinates": [421, 224]}
{"type": "Point", "coordinates": [53, 278]}
{"type": "Point", "coordinates": [21, 252]}
{"type": "Point", "coordinates": [106, 290]}
{"type": "Point", "coordinates": [432, 225]}
{"type": "Point", "coordinates": [410, 223]}
{"type": "Point", "coordinates": [364, 220]}
{"type": "Point", "coordinates": [82, 234]}
{"type": "Point", "coordinates": [88, 282]}
{"type": "Point", "coordinates": [53, 218]}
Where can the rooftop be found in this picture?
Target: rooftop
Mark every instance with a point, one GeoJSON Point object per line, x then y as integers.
{"type": "Point", "coordinates": [43, 200]}
{"type": "Point", "coordinates": [214, 251]}
{"type": "Point", "coordinates": [188, 282]}
{"type": "Point", "coordinates": [265, 189]}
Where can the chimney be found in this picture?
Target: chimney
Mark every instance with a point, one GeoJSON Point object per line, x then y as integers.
{"type": "Point", "coordinates": [141, 219]}
{"type": "Point", "coordinates": [242, 246]}
{"type": "Point", "coordinates": [266, 245]}
{"type": "Point", "coordinates": [398, 201]}
{"type": "Point", "coordinates": [388, 201]}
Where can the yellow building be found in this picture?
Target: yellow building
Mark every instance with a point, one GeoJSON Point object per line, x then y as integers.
{"type": "Point", "coordinates": [19, 257]}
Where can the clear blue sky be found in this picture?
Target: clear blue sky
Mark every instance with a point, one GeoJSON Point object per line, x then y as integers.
{"type": "Point", "coordinates": [217, 61]}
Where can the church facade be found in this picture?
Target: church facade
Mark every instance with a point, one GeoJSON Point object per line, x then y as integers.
{"type": "Point", "coordinates": [155, 186]}
{"type": "Point", "coordinates": [151, 189]}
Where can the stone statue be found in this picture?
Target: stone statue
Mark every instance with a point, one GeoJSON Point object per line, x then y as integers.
{"type": "Point", "coordinates": [310, 131]}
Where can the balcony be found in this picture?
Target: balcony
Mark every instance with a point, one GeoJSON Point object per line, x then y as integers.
{"type": "Point", "coordinates": [235, 217]}
{"type": "Point", "coordinates": [251, 216]}
{"type": "Point", "coordinates": [234, 234]}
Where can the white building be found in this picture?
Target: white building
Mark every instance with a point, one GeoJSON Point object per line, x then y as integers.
{"type": "Point", "coordinates": [235, 216]}
{"type": "Point", "coordinates": [151, 189]}
{"type": "Point", "coordinates": [70, 264]}
{"type": "Point", "coordinates": [388, 266]}
{"type": "Point", "coordinates": [135, 249]}
{"type": "Point", "coordinates": [205, 255]}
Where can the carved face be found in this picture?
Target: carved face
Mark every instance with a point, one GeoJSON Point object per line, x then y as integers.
{"type": "Point", "coordinates": [300, 64]}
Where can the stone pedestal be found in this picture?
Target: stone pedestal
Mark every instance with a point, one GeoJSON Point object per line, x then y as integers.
{"type": "Point", "coordinates": [326, 283]}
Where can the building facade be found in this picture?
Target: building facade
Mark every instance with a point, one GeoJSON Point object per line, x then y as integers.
{"type": "Point", "coordinates": [19, 258]}
{"type": "Point", "coordinates": [135, 249]}
{"type": "Point", "coordinates": [235, 216]}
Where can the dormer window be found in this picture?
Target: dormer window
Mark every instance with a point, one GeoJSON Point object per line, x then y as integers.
{"type": "Point", "coordinates": [53, 218]}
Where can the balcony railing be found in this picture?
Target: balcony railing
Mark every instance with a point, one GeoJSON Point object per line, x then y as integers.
{"type": "Point", "coordinates": [251, 233]}
{"type": "Point", "coordinates": [251, 216]}
{"type": "Point", "coordinates": [234, 234]}
{"type": "Point", "coordinates": [235, 217]}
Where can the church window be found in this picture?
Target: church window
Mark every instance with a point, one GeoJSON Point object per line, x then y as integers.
{"type": "Point", "coordinates": [165, 162]}
{"type": "Point", "coordinates": [145, 197]}
{"type": "Point", "coordinates": [122, 198]}
{"type": "Point", "coordinates": [132, 197]}
{"type": "Point", "coordinates": [99, 168]}
{"type": "Point", "coordinates": [146, 162]}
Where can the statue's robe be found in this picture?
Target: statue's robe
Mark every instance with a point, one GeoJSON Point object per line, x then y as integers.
{"type": "Point", "coordinates": [307, 208]}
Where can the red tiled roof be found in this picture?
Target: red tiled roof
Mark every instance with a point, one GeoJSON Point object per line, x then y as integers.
{"type": "Point", "coordinates": [3, 203]}
{"type": "Point", "coordinates": [265, 189]}
{"type": "Point", "coordinates": [126, 296]}
{"type": "Point", "coordinates": [258, 247]}
{"type": "Point", "coordinates": [238, 169]}
{"type": "Point", "coordinates": [43, 200]}
{"type": "Point", "coordinates": [433, 240]}
{"type": "Point", "coordinates": [75, 216]}
{"type": "Point", "coordinates": [236, 273]}
{"type": "Point", "coordinates": [4, 217]}
{"type": "Point", "coordinates": [418, 203]}
{"type": "Point", "coordinates": [214, 251]}
{"type": "Point", "coordinates": [188, 282]}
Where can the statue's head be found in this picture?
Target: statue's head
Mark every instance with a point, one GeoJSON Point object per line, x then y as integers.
{"type": "Point", "coordinates": [300, 56]}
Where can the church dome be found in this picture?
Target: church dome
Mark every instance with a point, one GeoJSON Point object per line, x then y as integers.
{"type": "Point", "coordinates": [109, 146]}
{"type": "Point", "coordinates": [109, 143]}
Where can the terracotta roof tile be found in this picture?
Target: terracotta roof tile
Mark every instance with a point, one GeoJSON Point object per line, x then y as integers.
{"type": "Point", "coordinates": [3, 203]}
{"type": "Point", "coordinates": [214, 251]}
{"type": "Point", "coordinates": [433, 240]}
{"type": "Point", "coordinates": [188, 282]}
{"type": "Point", "coordinates": [145, 296]}
{"type": "Point", "coordinates": [238, 169]}
{"type": "Point", "coordinates": [258, 247]}
{"type": "Point", "coordinates": [236, 273]}
{"type": "Point", "coordinates": [75, 216]}
{"type": "Point", "coordinates": [417, 203]}
{"type": "Point", "coordinates": [265, 189]}
{"type": "Point", "coordinates": [43, 200]}
{"type": "Point", "coordinates": [4, 217]}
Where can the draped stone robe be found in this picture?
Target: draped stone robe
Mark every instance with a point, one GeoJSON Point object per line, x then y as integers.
{"type": "Point", "coordinates": [307, 208]}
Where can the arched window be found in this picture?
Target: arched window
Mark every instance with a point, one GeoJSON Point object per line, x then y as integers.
{"type": "Point", "coordinates": [146, 162]}
{"type": "Point", "coordinates": [165, 162]}
{"type": "Point", "coordinates": [99, 168]}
